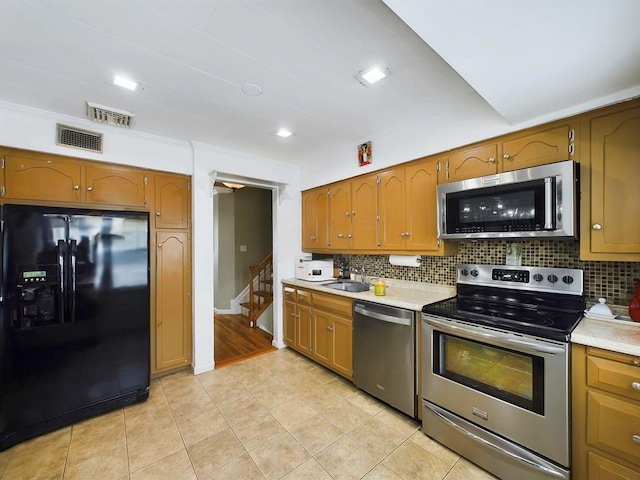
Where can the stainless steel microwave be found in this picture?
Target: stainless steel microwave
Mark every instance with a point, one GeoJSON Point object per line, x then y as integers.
{"type": "Point", "coordinates": [538, 202]}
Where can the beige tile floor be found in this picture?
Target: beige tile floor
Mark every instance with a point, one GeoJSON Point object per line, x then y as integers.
{"type": "Point", "coordinates": [274, 416]}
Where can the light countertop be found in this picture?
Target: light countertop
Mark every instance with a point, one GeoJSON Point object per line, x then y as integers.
{"type": "Point", "coordinates": [400, 293]}
{"type": "Point", "coordinates": [619, 336]}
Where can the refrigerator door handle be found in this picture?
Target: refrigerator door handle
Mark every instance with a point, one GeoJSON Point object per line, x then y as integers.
{"type": "Point", "coordinates": [62, 253]}
{"type": "Point", "coordinates": [73, 251]}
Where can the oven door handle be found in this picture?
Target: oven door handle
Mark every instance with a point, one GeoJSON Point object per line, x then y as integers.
{"type": "Point", "coordinates": [496, 337]}
{"type": "Point", "coordinates": [444, 416]}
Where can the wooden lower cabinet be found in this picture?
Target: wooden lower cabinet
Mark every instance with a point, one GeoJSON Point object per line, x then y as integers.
{"type": "Point", "coordinates": [606, 414]}
{"type": "Point", "coordinates": [320, 326]}
{"type": "Point", "coordinates": [173, 300]}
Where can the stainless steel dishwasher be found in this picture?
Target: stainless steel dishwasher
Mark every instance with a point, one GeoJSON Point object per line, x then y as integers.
{"type": "Point", "coordinates": [384, 354]}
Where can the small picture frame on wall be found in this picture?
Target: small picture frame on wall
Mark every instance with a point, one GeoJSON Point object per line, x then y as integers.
{"type": "Point", "coordinates": [364, 154]}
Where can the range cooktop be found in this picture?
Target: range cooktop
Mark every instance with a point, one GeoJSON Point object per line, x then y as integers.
{"type": "Point", "coordinates": [542, 302]}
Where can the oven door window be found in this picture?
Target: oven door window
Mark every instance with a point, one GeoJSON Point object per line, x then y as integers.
{"type": "Point", "coordinates": [511, 376]}
{"type": "Point", "coordinates": [519, 207]}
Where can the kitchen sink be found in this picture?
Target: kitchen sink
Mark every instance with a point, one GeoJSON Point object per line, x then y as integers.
{"type": "Point", "coordinates": [349, 286]}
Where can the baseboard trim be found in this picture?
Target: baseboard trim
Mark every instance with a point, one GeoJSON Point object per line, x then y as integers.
{"type": "Point", "coordinates": [278, 344]}
{"type": "Point", "coordinates": [206, 367]}
{"type": "Point", "coordinates": [222, 311]}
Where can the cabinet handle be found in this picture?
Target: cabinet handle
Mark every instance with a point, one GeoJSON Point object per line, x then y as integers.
{"type": "Point", "coordinates": [635, 385]}
{"type": "Point", "coordinates": [341, 235]}
{"type": "Point", "coordinates": [350, 235]}
{"type": "Point", "coordinates": [353, 213]}
{"type": "Point", "coordinates": [157, 214]}
{"type": "Point", "coordinates": [159, 245]}
{"type": "Point", "coordinates": [596, 226]}
{"type": "Point", "coordinates": [407, 234]}
{"type": "Point", "coordinates": [492, 160]}
{"type": "Point", "coordinates": [89, 189]}
{"type": "Point", "coordinates": [636, 361]}
{"type": "Point", "coordinates": [348, 214]}
{"type": "Point", "coordinates": [635, 438]}
{"type": "Point", "coordinates": [76, 187]}
{"type": "Point", "coordinates": [506, 156]}
{"type": "Point", "coordinates": [402, 234]}
{"type": "Point", "coordinates": [331, 330]}
{"type": "Point", "coordinates": [313, 237]}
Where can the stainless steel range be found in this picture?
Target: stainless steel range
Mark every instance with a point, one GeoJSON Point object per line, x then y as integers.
{"type": "Point", "coordinates": [495, 372]}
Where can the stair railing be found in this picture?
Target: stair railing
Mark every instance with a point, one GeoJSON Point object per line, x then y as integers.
{"type": "Point", "coordinates": [260, 299]}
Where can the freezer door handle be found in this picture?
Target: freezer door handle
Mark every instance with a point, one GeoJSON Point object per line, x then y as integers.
{"type": "Point", "coordinates": [73, 251]}
{"type": "Point", "coordinates": [62, 253]}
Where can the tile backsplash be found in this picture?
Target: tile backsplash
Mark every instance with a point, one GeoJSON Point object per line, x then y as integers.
{"type": "Point", "coordinates": [612, 280]}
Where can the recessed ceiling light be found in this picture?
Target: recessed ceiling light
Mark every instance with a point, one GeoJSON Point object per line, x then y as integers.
{"type": "Point", "coordinates": [284, 133]}
{"type": "Point", "coordinates": [371, 75]}
{"type": "Point", "coordinates": [125, 82]}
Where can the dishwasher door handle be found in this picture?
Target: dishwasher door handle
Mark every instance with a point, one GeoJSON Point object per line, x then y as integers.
{"type": "Point", "coordinates": [382, 316]}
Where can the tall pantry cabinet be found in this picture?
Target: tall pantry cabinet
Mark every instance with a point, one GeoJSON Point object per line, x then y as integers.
{"type": "Point", "coordinates": [35, 178]}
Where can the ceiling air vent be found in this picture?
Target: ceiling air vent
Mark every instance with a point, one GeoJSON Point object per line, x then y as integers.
{"type": "Point", "coordinates": [78, 138]}
{"type": "Point", "coordinates": [110, 115]}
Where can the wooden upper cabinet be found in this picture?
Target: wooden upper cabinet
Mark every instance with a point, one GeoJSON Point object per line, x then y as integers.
{"type": "Point", "coordinates": [340, 216]}
{"type": "Point", "coordinates": [549, 146]}
{"type": "Point", "coordinates": [475, 162]}
{"type": "Point", "coordinates": [364, 205]}
{"type": "Point", "coordinates": [610, 193]}
{"type": "Point", "coordinates": [315, 222]}
{"type": "Point", "coordinates": [172, 200]}
{"type": "Point", "coordinates": [115, 185]}
{"type": "Point", "coordinates": [173, 303]}
{"type": "Point", "coordinates": [421, 212]}
{"type": "Point", "coordinates": [40, 178]}
{"type": "Point", "coordinates": [391, 209]}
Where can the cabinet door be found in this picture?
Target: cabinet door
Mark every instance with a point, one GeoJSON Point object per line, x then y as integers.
{"type": "Point", "coordinates": [420, 206]}
{"type": "Point", "coordinates": [615, 175]}
{"type": "Point", "coordinates": [391, 209]}
{"type": "Point", "coordinates": [173, 304]}
{"type": "Point", "coordinates": [364, 211]}
{"type": "Point", "coordinates": [601, 468]}
{"type": "Point", "coordinates": [172, 200]}
{"type": "Point", "coordinates": [303, 330]}
{"type": "Point", "coordinates": [476, 162]}
{"type": "Point", "coordinates": [290, 324]}
{"type": "Point", "coordinates": [115, 186]}
{"type": "Point", "coordinates": [340, 216]}
{"type": "Point", "coordinates": [39, 179]}
{"type": "Point", "coordinates": [342, 354]}
{"type": "Point", "coordinates": [322, 336]}
{"type": "Point", "coordinates": [537, 149]}
{"type": "Point", "coordinates": [314, 219]}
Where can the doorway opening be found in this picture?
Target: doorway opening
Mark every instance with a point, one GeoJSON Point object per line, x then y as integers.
{"type": "Point", "coordinates": [243, 285]}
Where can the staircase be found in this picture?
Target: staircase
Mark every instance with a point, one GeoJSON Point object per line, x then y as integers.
{"type": "Point", "coordinates": [260, 289]}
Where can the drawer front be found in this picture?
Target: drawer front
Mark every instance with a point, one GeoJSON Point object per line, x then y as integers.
{"type": "Point", "coordinates": [615, 377]}
{"type": "Point", "coordinates": [601, 468]}
{"type": "Point", "coordinates": [290, 294]}
{"type": "Point", "coordinates": [333, 303]}
{"type": "Point", "coordinates": [304, 297]}
{"type": "Point", "coordinates": [613, 425]}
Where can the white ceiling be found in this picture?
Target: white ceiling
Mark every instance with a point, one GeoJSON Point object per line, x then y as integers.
{"type": "Point", "coordinates": [195, 55]}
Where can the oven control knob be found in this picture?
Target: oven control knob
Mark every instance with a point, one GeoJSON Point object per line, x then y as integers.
{"type": "Point", "coordinates": [464, 272]}
{"type": "Point", "coordinates": [568, 279]}
{"type": "Point", "coordinates": [474, 273]}
{"type": "Point", "coordinates": [538, 277]}
{"type": "Point", "coordinates": [552, 278]}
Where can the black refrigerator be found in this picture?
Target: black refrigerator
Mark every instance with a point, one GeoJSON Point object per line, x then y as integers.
{"type": "Point", "coordinates": [74, 314]}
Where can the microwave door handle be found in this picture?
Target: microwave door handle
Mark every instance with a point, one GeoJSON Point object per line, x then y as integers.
{"type": "Point", "coordinates": [548, 203]}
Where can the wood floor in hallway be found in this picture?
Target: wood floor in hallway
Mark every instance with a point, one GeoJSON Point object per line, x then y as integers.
{"type": "Point", "coordinates": [235, 340]}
